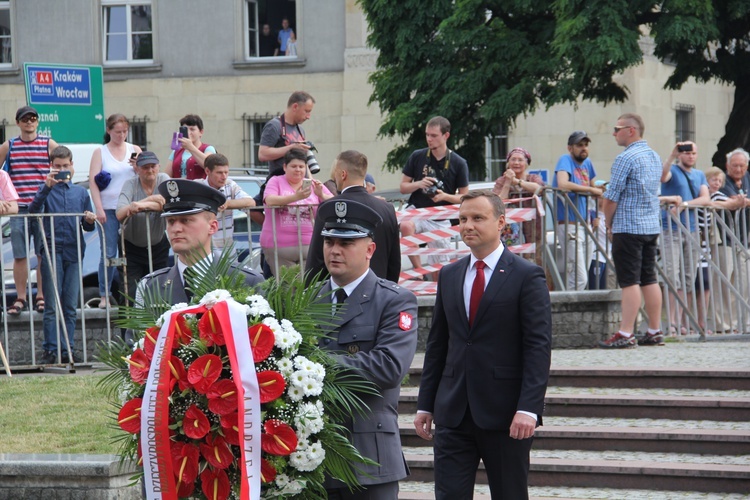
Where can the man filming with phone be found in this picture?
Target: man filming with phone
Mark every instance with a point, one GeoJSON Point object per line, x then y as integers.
{"type": "Point", "coordinates": [61, 252]}
{"type": "Point", "coordinates": [685, 188]}
{"type": "Point", "coordinates": [433, 176]}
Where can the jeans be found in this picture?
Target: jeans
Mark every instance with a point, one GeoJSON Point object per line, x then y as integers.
{"type": "Point", "coordinates": [112, 235]}
{"type": "Point", "coordinates": [68, 288]}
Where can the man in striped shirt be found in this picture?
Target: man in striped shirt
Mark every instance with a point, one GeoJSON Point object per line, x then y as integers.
{"type": "Point", "coordinates": [28, 165]}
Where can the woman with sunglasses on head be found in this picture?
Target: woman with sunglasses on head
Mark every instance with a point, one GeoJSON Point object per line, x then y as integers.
{"type": "Point", "coordinates": [111, 165]}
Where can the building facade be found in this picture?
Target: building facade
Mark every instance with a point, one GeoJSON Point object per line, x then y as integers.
{"type": "Point", "coordinates": [167, 58]}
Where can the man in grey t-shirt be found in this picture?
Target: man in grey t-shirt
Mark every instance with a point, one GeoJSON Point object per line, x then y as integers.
{"type": "Point", "coordinates": [284, 132]}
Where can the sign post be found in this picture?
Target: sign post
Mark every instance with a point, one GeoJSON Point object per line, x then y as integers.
{"type": "Point", "coordinates": [69, 99]}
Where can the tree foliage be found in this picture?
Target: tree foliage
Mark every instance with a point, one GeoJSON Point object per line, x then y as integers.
{"type": "Point", "coordinates": [483, 63]}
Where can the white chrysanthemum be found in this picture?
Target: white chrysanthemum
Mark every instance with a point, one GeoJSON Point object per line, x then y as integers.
{"type": "Point", "coordinates": [178, 306]}
{"type": "Point", "coordinates": [311, 386]}
{"type": "Point", "coordinates": [272, 324]}
{"type": "Point", "coordinates": [309, 419]}
{"type": "Point", "coordinates": [294, 487]}
{"type": "Point", "coordinates": [215, 296]}
{"type": "Point", "coordinates": [296, 393]}
{"type": "Point", "coordinates": [285, 366]}
{"type": "Point", "coordinates": [299, 361]}
{"type": "Point", "coordinates": [298, 379]}
{"type": "Point", "coordinates": [259, 306]}
{"type": "Point", "coordinates": [300, 461]}
{"type": "Point", "coordinates": [281, 480]}
{"type": "Point", "coordinates": [283, 340]}
{"type": "Point", "coordinates": [140, 343]}
{"type": "Point", "coordinates": [316, 452]}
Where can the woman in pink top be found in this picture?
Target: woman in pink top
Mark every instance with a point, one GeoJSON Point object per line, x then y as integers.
{"type": "Point", "coordinates": [287, 230]}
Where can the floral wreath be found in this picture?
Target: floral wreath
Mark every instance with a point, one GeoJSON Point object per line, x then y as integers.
{"type": "Point", "coordinates": [192, 408]}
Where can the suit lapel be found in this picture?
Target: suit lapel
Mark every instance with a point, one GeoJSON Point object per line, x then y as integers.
{"type": "Point", "coordinates": [456, 285]}
{"type": "Point", "coordinates": [499, 276]}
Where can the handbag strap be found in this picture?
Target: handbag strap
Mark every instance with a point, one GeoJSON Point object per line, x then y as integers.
{"type": "Point", "coordinates": [690, 184]}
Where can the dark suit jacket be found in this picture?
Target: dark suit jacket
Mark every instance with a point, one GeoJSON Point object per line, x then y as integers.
{"type": "Point", "coordinates": [386, 261]}
{"type": "Point", "coordinates": [501, 364]}
{"type": "Point", "coordinates": [374, 338]}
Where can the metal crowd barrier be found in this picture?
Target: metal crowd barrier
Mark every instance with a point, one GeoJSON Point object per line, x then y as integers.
{"type": "Point", "coordinates": [34, 319]}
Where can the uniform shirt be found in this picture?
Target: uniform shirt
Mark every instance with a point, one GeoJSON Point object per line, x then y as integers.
{"type": "Point", "coordinates": [636, 177]}
{"type": "Point", "coordinates": [64, 198]}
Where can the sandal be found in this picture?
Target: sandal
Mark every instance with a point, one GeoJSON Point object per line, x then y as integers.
{"type": "Point", "coordinates": [18, 306]}
{"type": "Point", "coordinates": [39, 304]}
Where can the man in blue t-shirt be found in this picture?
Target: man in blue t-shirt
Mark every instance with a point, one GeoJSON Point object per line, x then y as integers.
{"type": "Point", "coordinates": [684, 187]}
{"type": "Point", "coordinates": [575, 173]}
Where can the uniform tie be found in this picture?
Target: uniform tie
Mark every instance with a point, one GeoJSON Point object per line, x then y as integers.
{"type": "Point", "coordinates": [477, 289]}
{"type": "Point", "coordinates": [340, 299]}
{"type": "Point", "coordinates": [188, 277]}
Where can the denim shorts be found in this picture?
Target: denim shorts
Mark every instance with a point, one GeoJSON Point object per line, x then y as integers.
{"type": "Point", "coordinates": [17, 237]}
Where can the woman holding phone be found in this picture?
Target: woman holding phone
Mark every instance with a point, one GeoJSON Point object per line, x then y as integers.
{"type": "Point", "coordinates": [190, 154]}
{"type": "Point", "coordinates": [111, 165]}
{"type": "Point", "coordinates": [291, 199]}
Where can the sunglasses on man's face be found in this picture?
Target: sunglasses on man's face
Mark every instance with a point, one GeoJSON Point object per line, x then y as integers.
{"type": "Point", "coordinates": [27, 119]}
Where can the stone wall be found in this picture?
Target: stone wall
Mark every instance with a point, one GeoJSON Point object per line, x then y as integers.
{"type": "Point", "coordinates": [579, 319]}
{"type": "Point", "coordinates": [22, 329]}
{"type": "Point", "coordinates": [66, 477]}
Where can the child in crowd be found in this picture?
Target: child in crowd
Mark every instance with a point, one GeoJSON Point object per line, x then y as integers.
{"type": "Point", "coordinates": [217, 177]}
{"type": "Point", "coordinates": [61, 256]}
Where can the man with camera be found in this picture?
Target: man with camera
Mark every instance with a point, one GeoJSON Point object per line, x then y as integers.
{"type": "Point", "coordinates": [433, 176]}
{"type": "Point", "coordinates": [687, 186]}
{"type": "Point", "coordinates": [284, 133]}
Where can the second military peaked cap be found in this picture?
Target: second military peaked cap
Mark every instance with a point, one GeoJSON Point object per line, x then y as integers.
{"type": "Point", "coordinates": [348, 219]}
{"type": "Point", "coordinates": [185, 197]}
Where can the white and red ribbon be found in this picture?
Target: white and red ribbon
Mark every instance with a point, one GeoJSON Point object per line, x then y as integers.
{"type": "Point", "coordinates": [159, 477]}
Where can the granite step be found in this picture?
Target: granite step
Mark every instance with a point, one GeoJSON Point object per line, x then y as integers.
{"type": "Point", "coordinates": [646, 378]}
{"type": "Point", "coordinates": [709, 442]}
{"type": "Point", "coordinates": [618, 406]}
{"type": "Point", "coordinates": [618, 474]}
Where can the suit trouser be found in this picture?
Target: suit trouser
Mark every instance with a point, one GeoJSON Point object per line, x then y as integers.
{"type": "Point", "coordinates": [457, 454]}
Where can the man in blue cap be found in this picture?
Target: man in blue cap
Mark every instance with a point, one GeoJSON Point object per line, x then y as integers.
{"type": "Point", "coordinates": [376, 334]}
{"type": "Point", "coordinates": [190, 209]}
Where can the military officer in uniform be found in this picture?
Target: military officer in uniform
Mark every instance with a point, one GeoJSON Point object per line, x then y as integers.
{"type": "Point", "coordinates": [375, 334]}
{"type": "Point", "coordinates": [190, 210]}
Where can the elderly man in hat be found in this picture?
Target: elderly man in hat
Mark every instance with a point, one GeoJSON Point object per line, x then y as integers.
{"type": "Point", "coordinates": [190, 209]}
{"type": "Point", "coordinates": [375, 333]}
{"type": "Point", "coordinates": [575, 174]}
{"type": "Point", "coordinates": [146, 246]}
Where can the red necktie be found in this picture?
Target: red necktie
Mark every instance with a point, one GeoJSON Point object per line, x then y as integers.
{"type": "Point", "coordinates": [477, 289]}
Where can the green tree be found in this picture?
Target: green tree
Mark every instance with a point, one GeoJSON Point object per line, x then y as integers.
{"type": "Point", "coordinates": [484, 63]}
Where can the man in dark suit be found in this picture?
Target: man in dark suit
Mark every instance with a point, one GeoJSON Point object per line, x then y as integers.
{"type": "Point", "coordinates": [375, 333]}
{"type": "Point", "coordinates": [487, 360]}
{"type": "Point", "coordinates": [190, 209]}
{"type": "Point", "coordinates": [349, 173]}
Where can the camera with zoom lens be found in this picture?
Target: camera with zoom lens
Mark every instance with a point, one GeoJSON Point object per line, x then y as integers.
{"type": "Point", "coordinates": [432, 190]}
{"type": "Point", "coordinates": [312, 162]}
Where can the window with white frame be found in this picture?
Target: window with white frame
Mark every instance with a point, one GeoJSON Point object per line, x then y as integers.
{"type": "Point", "coordinates": [128, 31]}
{"type": "Point", "coordinates": [6, 39]}
{"type": "Point", "coordinates": [269, 27]}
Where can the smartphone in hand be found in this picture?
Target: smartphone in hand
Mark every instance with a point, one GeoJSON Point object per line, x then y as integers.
{"type": "Point", "coordinates": [134, 156]}
{"type": "Point", "coordinates": [62, 175]}
{"type": "Point", "coordinates": [306, 183]}
{"type": "Point", "coordinates": [684, 148]}
{"type": "Point", "coordinates": [184, 131]}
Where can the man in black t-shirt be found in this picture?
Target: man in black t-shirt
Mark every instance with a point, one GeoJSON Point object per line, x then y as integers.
{"type": "Point", "coordinates": [433, 176]}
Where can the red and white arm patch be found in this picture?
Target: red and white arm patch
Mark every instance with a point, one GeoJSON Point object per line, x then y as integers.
{"type": "Point", "coordinates": [404, 320]}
